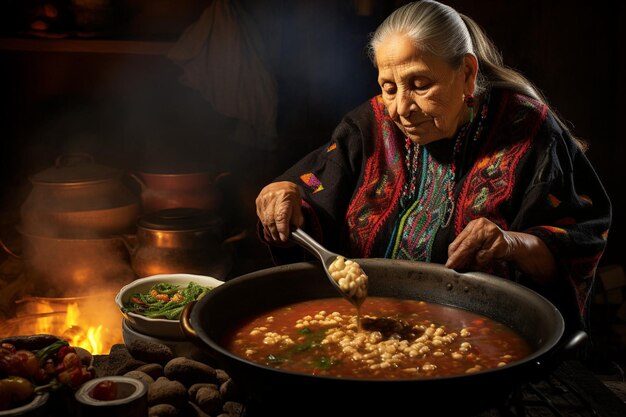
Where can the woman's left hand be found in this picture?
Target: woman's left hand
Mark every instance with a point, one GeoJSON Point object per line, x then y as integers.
{"type": "Point", "coordinates": [480, 244]}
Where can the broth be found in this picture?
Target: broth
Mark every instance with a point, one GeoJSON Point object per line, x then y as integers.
{"type": "Point", "coordinates": [400, 339]}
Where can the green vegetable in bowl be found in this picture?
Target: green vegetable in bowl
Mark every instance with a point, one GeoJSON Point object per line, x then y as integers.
{"type": "Point", "coordinates": [164, 300]}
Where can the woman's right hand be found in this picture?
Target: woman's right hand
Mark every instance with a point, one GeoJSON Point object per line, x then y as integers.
{"type": "Point", "coordinates": [279, 205]}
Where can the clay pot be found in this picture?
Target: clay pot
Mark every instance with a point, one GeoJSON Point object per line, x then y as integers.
{"type": "Point", "coordinates": [192, 190]}
{"type": "Point", "coordinates": [78, 198]}
{"type": "Point", "coordinates": [182, 240]}
{"type": "Point", "coordinates": [74, 265]}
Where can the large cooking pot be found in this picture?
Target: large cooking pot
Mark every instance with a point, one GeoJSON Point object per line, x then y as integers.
{"type": "Point", "coordinates": [183, 239]}
{"type": "Point", "coordinates": [276, 392]}
{"type": "Point", "coordinates": [74, 266]}
{"type": "Point", "coordinates": [79, 198]}
{"type": "Point", "coordinates": [187, 189]}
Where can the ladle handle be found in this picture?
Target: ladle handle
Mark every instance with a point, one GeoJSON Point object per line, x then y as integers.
{"type": "Point", "coordinates": [309, 244]}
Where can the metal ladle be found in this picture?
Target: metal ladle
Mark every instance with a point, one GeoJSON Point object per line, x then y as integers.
{"type": "Point", "coordinates": [326, 257]}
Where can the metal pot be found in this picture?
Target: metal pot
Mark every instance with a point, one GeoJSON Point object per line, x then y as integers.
{"type": "Point", "coordinates": [276, 392]}
{"type": "Point", "coordinates": [195, 190]}
{"type": "Point", "coordinates": [78, 198]}
{"type": "Point", "coordinates": [182, 240]}
{"type": "Point", "coordinates": [75, 266]}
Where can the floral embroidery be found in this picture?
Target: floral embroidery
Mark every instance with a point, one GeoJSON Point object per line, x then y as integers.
{"type": "Point", "coordinates": [424, 217]}
{"type": "Point", "coordinates": [382, 185]}
{"type": "Point", "coordinates": [491, 181]}
{"type": "Point", "coordinates": [312, 181]}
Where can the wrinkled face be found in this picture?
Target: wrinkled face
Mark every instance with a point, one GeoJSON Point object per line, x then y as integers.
{"type": "Point", "coordinates": [423, 94]}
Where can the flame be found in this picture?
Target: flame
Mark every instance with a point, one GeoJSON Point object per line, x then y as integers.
{"type": "Point", "coordinates": [90, 341]}
{"type": "Point", "coordinates": [44, 324]}
{"type": "Point", "coordinates": [92, 327]}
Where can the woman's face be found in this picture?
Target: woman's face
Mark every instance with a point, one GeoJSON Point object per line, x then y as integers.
{"type": "Point", "coordinates": [423, 94]}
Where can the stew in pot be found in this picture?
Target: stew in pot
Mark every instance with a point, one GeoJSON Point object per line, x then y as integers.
{"type": "Point", "coordinates": [400, 339]}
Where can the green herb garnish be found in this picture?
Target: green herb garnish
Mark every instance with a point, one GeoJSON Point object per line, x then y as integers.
{"type": "Point", "coordinates": [164, 300]}
{"type": "Point", "coordinates": [324, 362]}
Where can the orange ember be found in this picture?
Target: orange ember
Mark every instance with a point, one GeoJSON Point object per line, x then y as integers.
{"type": "Point", "coordinates": [92, 323]}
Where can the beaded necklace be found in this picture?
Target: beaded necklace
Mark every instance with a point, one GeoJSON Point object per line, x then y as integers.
{"type": "Point", "coordinates": [431, 206]}
{"type": "Point", "coordinates": [411, 160]}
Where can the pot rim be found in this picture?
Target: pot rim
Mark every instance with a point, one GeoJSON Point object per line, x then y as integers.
{"type": "Point", "coordinates": [109, 238]}
{"type": "Point", "coordinates": [180, 219]}
{"type": "Point", "coordinates": [63, 172]}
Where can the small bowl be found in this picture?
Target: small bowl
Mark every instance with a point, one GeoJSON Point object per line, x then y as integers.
{"type": "Point", "coordinates": [131, 398]}
{"type": "Point", "coordinates": [35, 408]}
{"type": "Point", "coordinates": [158, 327]}
{"type": "Point", "coordinates": [179, 347]}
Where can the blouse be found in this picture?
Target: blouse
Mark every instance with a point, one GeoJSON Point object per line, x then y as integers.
{"type": "Point", "coordinates": [370, 192]}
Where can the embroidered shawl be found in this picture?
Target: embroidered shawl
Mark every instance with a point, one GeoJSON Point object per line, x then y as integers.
{"type": "Point", "coordinates": [525, 173]}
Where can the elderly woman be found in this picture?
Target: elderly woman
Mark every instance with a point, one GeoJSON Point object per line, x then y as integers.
{"type": "Point", "coordinates": [458, 161]}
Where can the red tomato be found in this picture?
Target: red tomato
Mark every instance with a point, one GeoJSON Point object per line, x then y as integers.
{"type": "Point", "coordinates": [104, 391]}
{"type": "Point", "coordinates": [29, 362]}
{"type": "Point", "coordinates": [63, 351]}
{"type": "Point", "coordinates": [72, 360]}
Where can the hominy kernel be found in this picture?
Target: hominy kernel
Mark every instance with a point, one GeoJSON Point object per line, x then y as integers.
{"type": "Point", "coordinates": [349, 277]}
{"type": "Point", "coordinates": [349, 350]}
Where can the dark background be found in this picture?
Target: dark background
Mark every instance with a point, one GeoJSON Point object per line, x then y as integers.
{"type": "Point", "coordinates": [129, 109]}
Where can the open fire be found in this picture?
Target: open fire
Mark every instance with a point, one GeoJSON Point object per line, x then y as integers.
{"type": "Point", "coordinates": [90, 322]}
{"type": "Point", "coordinates": [84, 315]}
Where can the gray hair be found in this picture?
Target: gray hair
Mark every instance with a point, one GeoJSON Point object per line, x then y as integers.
{"type": "Point", "coordinates": [439, 29]}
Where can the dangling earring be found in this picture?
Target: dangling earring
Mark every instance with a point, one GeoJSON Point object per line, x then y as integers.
{"type": "Point", "coordinates": [469, 102]}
